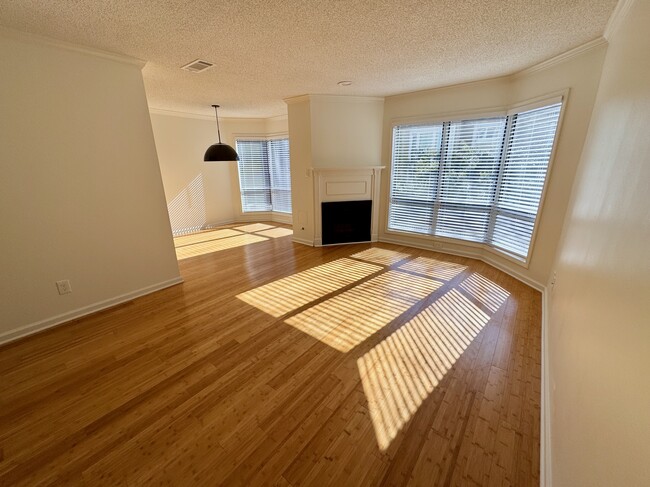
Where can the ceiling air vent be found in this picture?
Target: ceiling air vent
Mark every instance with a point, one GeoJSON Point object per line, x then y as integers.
{"type": "Point", "coordinates": [197, 66]}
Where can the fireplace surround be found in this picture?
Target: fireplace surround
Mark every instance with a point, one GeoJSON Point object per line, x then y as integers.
{"type": "Point", "coordinates": [346, 184]}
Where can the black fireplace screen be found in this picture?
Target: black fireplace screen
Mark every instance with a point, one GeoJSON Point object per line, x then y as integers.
{"type": "Point", "coordinates": [346, 221]}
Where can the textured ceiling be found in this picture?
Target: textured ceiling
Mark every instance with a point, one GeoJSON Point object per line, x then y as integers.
{"type": "Point", "coordinates": [269, 50]}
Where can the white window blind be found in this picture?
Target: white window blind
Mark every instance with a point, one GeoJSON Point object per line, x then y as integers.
{"type": "Point", "coordinates": [264, 175]}
{"type": "Point", "coordinates": [414, 177]}
{"type": "Point", "coordinates": [527, 154]}
{"type": "Point", "coordinates": [280, 175]}
{"type": "Point", "coordinates": [477, 180]}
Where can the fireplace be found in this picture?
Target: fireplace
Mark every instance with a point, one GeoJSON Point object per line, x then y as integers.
{"type": "Point", "coordinates": [346, 203]}
{"type": "Point", "coordinates": [346, 221]}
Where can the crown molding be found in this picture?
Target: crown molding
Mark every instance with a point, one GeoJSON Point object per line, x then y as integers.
{"type": "Point", "coordinates": [549, 63]}
{"type": "Point", "coordinates": [334, 98]}
{"type": "Point", "coordinates": [278, 117]}
{"type": "Point", "coordinates": [451, 87]}
{"type": "Point", "coordinates": [10, 33]}
{"type": "Point", "coordinates": [347, 98]}
{"type": "Point", "coordinates": [617, 17]}
{"type": "Point", "coordinates": [174, 113]}
{"type": "Point", "coordinates": [200, 116]}
{"type": "Point", "coordinates": [561, 58]}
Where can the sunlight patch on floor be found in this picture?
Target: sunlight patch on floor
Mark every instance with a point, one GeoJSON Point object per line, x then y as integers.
{"type": "Point", "coordinates": [399, 373]}
{"type": "Point", "coordinates": [290, 293]}
{"type": "Point", "coordinates": [217, 245]}
{"type": "Point", "coordinates": [438, 269]}
{"type": "Point", "coordinates": [380, 256]}
{"type": "Point", "coordinates": [491, 295]}
{"type": "Point", "coordinates": [204, 237]}
{"type": "Point", "coordinates": [344, 321]}
{"type": "Point", "coordinates": [276, 232]}
{"type": "Point", "coordinates": [254, 227]}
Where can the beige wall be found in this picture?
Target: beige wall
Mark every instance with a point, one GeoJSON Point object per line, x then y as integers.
{"type": "Point", "coordinates": [346, 131]}
{"type": "Point", "coordinates": [599, 322]}
{"type": "Point", "coordinates": [329, 131]}
{"type": "Point", "coordinates": [579, 74]}
{"type": "Point", "coordinates": [80, 193]}
{"type": "Point", "coordinates": [200, 194]}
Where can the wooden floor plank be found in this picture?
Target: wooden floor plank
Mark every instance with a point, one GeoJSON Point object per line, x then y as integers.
{"type": "Point", "coordinates": [433, 380]}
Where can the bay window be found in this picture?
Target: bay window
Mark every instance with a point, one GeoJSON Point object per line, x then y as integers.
{"type": "Point", "coordinates": [478, 180]}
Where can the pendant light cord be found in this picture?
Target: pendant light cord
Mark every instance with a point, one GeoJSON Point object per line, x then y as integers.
{"type": "Point", "coordinates": [217, 116]}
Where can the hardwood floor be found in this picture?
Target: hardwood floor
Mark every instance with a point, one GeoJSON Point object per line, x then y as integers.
{"type": "Point", "coordinates": [280, 364]}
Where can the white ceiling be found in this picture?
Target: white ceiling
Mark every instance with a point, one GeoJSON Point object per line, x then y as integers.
{"type": "Point", "coordinates": [268, 50]}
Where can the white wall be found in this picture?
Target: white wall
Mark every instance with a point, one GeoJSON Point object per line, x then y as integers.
{"type": "Point", "coordinates": [599, 322]}
{"type": "Point", "coordinates": [199, 194]}
{"type": "Point", "coordinates": [579, 73]}
{"type": "Point", "coordinates": [80, 193]}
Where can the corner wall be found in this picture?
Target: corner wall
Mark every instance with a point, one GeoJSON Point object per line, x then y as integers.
{"type": "Point", "coordinates": [328, 131]}
{"type": "Point", "coordinates": [599, 320]}
{"type": "Point", "coordinates": [80, 194]}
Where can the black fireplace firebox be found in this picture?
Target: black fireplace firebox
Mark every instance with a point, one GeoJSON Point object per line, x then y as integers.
{"type": "Point", "coordinates": [346, 221]}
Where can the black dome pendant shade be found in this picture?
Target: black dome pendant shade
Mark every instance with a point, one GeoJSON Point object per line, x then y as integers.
{"type": "Point", "coordinates": [219, 151]}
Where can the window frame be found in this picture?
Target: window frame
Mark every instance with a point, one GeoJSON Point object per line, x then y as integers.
{"type": "Point", "coordinates": [560, 96]}
{"type": "Point", "coordinates": [259, 138]}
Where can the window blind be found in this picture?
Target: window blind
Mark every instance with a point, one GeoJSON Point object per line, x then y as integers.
{"type": "Point", "coordinates": [254, 175]}
{"type": "Point", "coordinates": [477, 180]}
{"type": "Point", "coordinates": [264, 175]}
{"type": "Point", "coordinates": [414, 177]}
{"type": "Point", "coordinates": [469, 169]}
{"type": "Point", "coordinates": [528, 151]}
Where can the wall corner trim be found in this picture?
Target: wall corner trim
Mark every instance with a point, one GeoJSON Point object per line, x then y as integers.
{"type": "Point", "coordinates": [302, 241]}
{"type": "Point", "coordinates": [615, 20]}
{"type": "Point", "coordinates": [69, 46]}
{"type": "Point", "coordinates": [296, 99]}
{"type": "Point", "coordinates": [545, 460]}
{"type": "Point", "coordinates": [53, 321]}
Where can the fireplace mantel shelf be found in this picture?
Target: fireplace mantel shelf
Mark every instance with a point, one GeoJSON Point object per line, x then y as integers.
{"type": "Point", "coordinates": [344, 169]}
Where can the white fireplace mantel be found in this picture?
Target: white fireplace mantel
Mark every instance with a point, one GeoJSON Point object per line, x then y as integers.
{"type": "Point", "coordinates": [346, 184]}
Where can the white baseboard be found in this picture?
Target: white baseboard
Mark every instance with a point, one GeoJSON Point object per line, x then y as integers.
{"type": "Point", "coordinates": [512, 272]}
{"type": "Point", "coordinates": [219, 223]}
{"type": "Point", "coordinates": [303, 241]}
{"type": "Point", "coordinates": [206, 226]}
{"type": "Point", "coordinates": [39, 326]}
{"type": "Point", "coordinates": [429, 247]}
{"type": "Point", "coordinates": [282, 218]}
{"type": "Point", "coordinates": [265, 216]}
{"type": "Point", "coordinates": [477, 254]}
{"type": "Point", "coordinates": [545, 460]}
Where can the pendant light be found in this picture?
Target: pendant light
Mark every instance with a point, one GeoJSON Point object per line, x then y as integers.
{"type": "Point", "coordinates": [220, 151]}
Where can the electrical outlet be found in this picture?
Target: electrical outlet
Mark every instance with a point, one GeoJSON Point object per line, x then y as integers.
{"type": "Point", "coordinates": [64, 287]}
{"type": "Point", "coordinates": [437, 245]}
